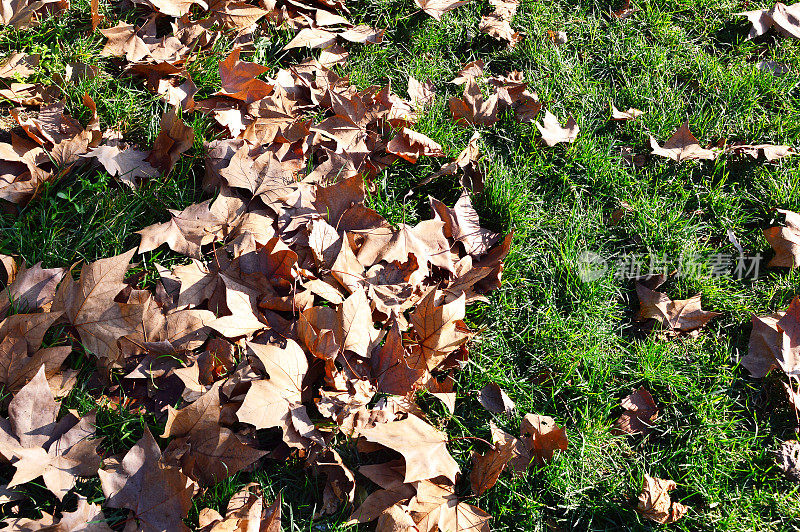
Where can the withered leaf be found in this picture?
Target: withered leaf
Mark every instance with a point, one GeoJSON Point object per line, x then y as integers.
{"type": "Point", "coordinates": [436, 328]}
{"type": "Point", "coordinates": [553, 133]}
{"type": "Point", "coordinates": [86, 518]}
{"type": "Point", "coordinates": [159, 496]}
{"type": "Point", "coordinates": [655, 503]}
{"type": "Point", "coordinates": [788, 458]}
{"type": "Point", "coordinates": [474, 109]}
{"type": "Point", "coordinates": [437, 8]}
{"type": "Point", "coordinates": [499, 28]}
{"type": "Point", "coordinates": [495, 400]}
{"type": "Point", "coordinates": [542, 436]}
{"type": "Point", "coordinates": [37, 445]}
{"type": "Point", "coordinates": [423, 447]}
{"type": "Point", "coordinates": [129, 165]}
{"type": "Point", "coordinates": [174, 138]}
{"type": "Point", "coordinates": [785, 241]}
{"type": "Point", "coordinates": [188, 230]}
{"type": "Point", "coordinates": [680, 315]}
{"type": "Point", "coordinates": [630, 114]}
{"type": "Point", "coordinates": [682, 146]}
{"type": "Point", "coordinates": [785, 19]}
{"type": "Point", "coordinates": [640, 412]}
{"type": "Point", "coordinates": [410, 145]}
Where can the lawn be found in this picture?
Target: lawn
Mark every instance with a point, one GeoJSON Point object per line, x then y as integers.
{"type": "Point", "coordinates": [559, 343]}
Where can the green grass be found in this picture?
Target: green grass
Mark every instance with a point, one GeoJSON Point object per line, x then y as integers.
{"type": "Point", "coordinates": [558, 345]}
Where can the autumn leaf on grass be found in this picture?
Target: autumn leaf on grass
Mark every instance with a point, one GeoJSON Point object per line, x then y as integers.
{"type": "Point", "coordinates": [204, 450]}
{"type": "Point", "coordinates": [89, 305]}
{"type": "Point", "coordinates": [472, 70]}
{"type": "Point", "coordinates": [22, 13]}
{"type": "Point", "coordinates": [785, 19]}
{"type": "Point", "coordinates": [788, 458]}
{"type": "Point", "coordinates": [495, 400]}
{"type": "Point", "coordinates": [421, 93]}
{"type": "Point", "coordinates": [18, 65]}
{"type": "Point", "coordinates": [87, 517]}
{"type": "Point", "coordinates": [487, 467]}
{"type": "Point", "coordinates": [775, 342]}
{"type": "Point", "coordinates": [437, 8]}
{"type": "Point", "coordinates": [640, 413]}
{"type": "Point", "coordinates": [655, 503]}
{"type": "Point", "coordinates": [474, 108]}
{"type": "Point", "coordinates": [239, 81]}
{"type": "Point", "coordinates": [159, 496]}
{"type": "Point", "coordinates": [174, 138]}
{"type": "Point", "coordinates": [31, 289]}
{"type": "Point", "coordinates": [770, 152]}
{"type": "Point", "coordinates": [630, 114]}
{"type": "Point", "coordinates": [129, 165]}
{"type": "Point", "coordinates": [462, 224]}
{"type": "Point", "coordinates": [436, 507]}
{"type": "Point", "coordinates": [679, 316]}
{"type": "Point", "coordinates": [467, 162]}
{"type": "Point", "coordinates": [542, 436]}
{"type": "Point", "coordinates": [785, 241]}
{"type": "Point", "coordinates": [499, 28]}
{"type": "Point", "coordinates": [37, 446]}
{"type": "Point", "coordinates": [682, 146]}
{"type": "Point", "coordinates": [410, 145]}
{"type": "Point", "coordinates": [423, 447]}
{"type": "Point", "coordinates": [188, 230]}
{"type": "Point", "coordinates": [553, 133]}
{"type": "Point", "coordinates": [437, 329]}
{"type": "Point", "coordinates": [245, 513]}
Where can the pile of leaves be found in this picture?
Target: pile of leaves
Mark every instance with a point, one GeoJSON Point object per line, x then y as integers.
{"type": "Point", "coordinates": [300, 310]}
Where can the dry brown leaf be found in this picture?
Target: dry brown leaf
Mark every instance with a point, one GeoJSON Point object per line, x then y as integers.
{"type": "Point", "coordinates": [640, 413]}
{"type": "Point", "coordinates": [785, 19]}
{"type": "Point", "coordinates": [174, 138]}
{"type": "Point", "coordinates": [421, 93]}
{"type": "Point", "coordinates": [682, 146]}
{"type": "Point", "coordinates": [423, 447]}
{"type": "Point", "coordinates": [158, 496]}
{"type": "Point", "coordinates": [630, 114]}
{"type": "Point", "coordinates": [437, 508]}
{"type": "Point", "coordinates": [410, 145]}
{"type": "Point", "coordinates": [18, 65]}
{"type": "Point", "coordinates": [245, 513]}
{"type": "Point", "coordinates": [437, 331]}
{"type": "Point", "coordinates": [542, 436]}
{"type": "Point", "coordinates": [770, 152]}
{"type": "Point", "coordinates": [785, 241]}
{"type": "Point", "coordinates": [679, 315]}
{"type": "Point", "coordinates": [553, 133]}
{"type": "Point", "coordinates": [495, 400]}
{"type": "Point", "coordinates": [462, 224]}
{"type": "Point", "coordinates": [499, 28]}
{"type": "Point", "coordinates": [188, 230]}
{"type": "Point", "coordinates": [655, 503]}
{"type": "Point", "coordinates": [31, 289]}
{"type": "Point", "coordinates": [86, 518]}
{"type": "Point", "coordinates": [239, 79]}
{"type": "Point", "coordinates": [788, 458]}
{"type": "Point", "coordinates": [474, 109]}
{"type": "Point", "coordinates": [437, 8]}
{"type": "Point", "coordinates": [38, 446]}
{"type": "Point", "coordinates": [129, 165]}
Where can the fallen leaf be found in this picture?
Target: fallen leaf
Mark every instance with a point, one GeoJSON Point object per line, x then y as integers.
{"type": "Point", "coordinates": [682, 146]}
{"type": "Point", "coordinates": [495, 400]}
{"type": "Point", "coordinates": [630, 114]}
{"type": "Point", "coordinates": [18, 65]}
{"type": "Point", "coordinates": [437, 8]}
{"type": "Point", "coordinates": [186, 232]}
{"type": "Point", "coordinates": [788, 458]}
{"type": "Point", "coordinates": [679, 315]}
{"type": "Point", "coordinates": [474, 109]}
{"type": "Point", "coordinates": [174, 138]}
{"type": "Point", "coordinates": [655, 503]}
{"type": "Point", "coordinates": [640, 413]}
{"type": "Point", "coordinates": [410, 145]}
{"type": "Point", "coordinates": [129, 165]}
{"type": "Point", "coordinates": [785, 19]}
{"type": "Point", "coordinates": [421, 93]}
{"type": "Point", "coordinates": [499, 28]}
{"type": "Point", "coordinates": [553, 133]}
{"type": "Point", "coordinates": [542, 436]}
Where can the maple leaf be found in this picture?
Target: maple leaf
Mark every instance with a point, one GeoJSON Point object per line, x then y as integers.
{"type": "Point", "coordinates": [462, 224]}
{"type": "Point", "coordinates": [495, 400]}
{"type": "Point", "coordinates": [129, 165]}
{"type": "Point", "coordinates": [438, 508]}
{"type": "Point", "coordinates": [188, 230]}
{"type": "Point", "coordinates": [158, 496]}
{"type": "Point", "coordinates": [437, 8]}
{"type": "Point", "coordinates": [785, 19]}
{"type": "Point", "coordinates": [788, 458]}
{"type": "Point", "coordinates": [268, 403]}
{"type": "Point", "coordinates": [123, 40]}
{"type": "Point", "coordinates": [498, 27]}
{"type": "Point", "coordinates": [487, 467]}
{"type": "Point", "coordinates": [770, 152]}
{"type": "Point", "coordinates": [410, 145]}
{"type": "Point", "coordinates": [174, 138]}
{"type": "Point", "coordinates": [678, 316]}
{"type": "Point", "coordinates": [239, 79]}
{"type": "Point", "coordinates": [245, 512]}
{"type": "Point", "coordinates": [437, 330]}
{"type": "Point", "coordinates": [542, 436]}
{"type": "Point", "coordinates": [38, 446]}
{"type": "Point", "coordinates": [422, 94]}
{"type": "Point", "coordinates": [630, 114]}
{"type": "Point", "coordinates": [682, 146]}
{"type": "Point", "coordinates": [474, 108]}
{"type": "Point", "coordinates": [89, 306]}
{"type": "Point", "coordinates": [467, 162]}
{"type": "Point", "coordinates": [640, 413]}
{"type": "Point", "coordinates": [423, 447]}
{"type": "Point", "coordinates": [18, 65]}
{"type": "Point", "coordinates": [655, 503]}
{"type": "Point", "coordinates": [471, 70]}
{"type": "Point", "coordinates": [785, 241]}
{"type": "Point", "coordinates": [31, 289]}
{"type": "Point", "coordinates": [86, 518]}
{"type": "Point", "coordinates": [505, 9]}
{"type": "Point", "coordinates": [553, 133]}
